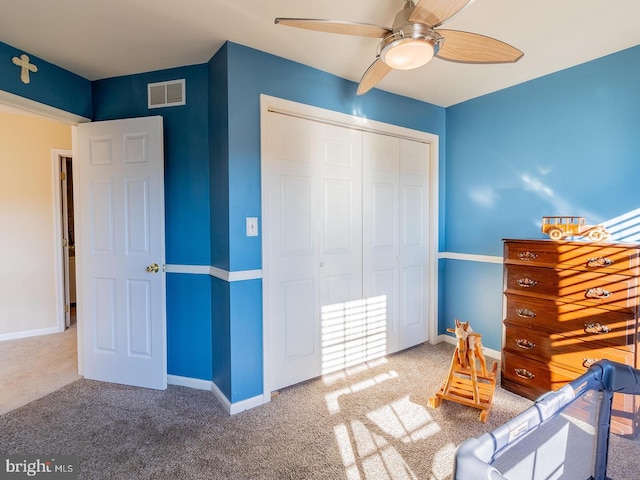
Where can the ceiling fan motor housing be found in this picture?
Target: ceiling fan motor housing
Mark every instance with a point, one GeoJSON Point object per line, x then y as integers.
{"type": "Point", "coordinates": [410, 45]}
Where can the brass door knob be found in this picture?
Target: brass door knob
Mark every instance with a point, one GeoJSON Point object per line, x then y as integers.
{"type": "Point", "coordinates": [153, 268]}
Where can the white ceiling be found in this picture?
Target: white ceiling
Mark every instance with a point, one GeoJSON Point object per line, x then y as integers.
{"type": "Point", "coordinates": [101, 39]}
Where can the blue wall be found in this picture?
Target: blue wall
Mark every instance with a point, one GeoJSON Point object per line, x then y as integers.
{"type": "Point", "coordinates": [563, 144]}
{"type": "Point", "coordinates": [50, 85]}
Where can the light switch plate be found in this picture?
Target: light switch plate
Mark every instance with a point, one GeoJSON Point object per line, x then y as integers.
{"type": "Point", "coordinates": [252, 226]}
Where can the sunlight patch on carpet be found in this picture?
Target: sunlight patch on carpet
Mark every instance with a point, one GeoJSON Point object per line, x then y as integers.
{"type": "Point", "coordinates": [405, 421]}
{"type": "Point", "coordinates": [333, 398]}
{"type": "Point", "coordinates": [368, 455]}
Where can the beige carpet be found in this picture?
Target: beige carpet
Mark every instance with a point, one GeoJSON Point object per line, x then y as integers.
{"type": "Point", "coordinates": [369, 422]}
{"type": "Point", "coordinates": [36, 366]}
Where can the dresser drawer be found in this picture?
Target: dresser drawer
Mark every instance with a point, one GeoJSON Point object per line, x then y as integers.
{"type": "Point", "coordinates": [569, 353]}
{"type": "Point", "coordinates": [616, 329]}
{"type": "Point", "coordinates": [614, 292]}
{"type": "Point", "coordinates": [588, 256]}
{"type": "Point", "coordinates": [530, 377]}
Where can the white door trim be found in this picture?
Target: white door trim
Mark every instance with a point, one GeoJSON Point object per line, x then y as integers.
{"type": "Point", "coordinates": [75, 148]}
{"type": "Point", "coordinates": [56, 156]}
{"type": "Point", "coordinates": [269, 103]}
{"type": "Point", "coordinates": [42, 109]}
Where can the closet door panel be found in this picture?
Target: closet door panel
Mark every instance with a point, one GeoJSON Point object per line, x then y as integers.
{"type": "Point", "coordinates": [312, 238]}
{"type": "Point", "coordinates": [414, 248]}
{"type": "Point", "coordinates": [340, 221]}
{"type": "Point", "coordinates": [291, 251]}
{"type": "Point", "coordinates": [381, 183]}
{"type": "Point", "coordinates": [298, 302]}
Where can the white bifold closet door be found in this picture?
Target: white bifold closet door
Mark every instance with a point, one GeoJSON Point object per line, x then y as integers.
{"type": "Point", "coordinates": [395, 235]}
{"type": "Point", "coordinates": [331, 300]}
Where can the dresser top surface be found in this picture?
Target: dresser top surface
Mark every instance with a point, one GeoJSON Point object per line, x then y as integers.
{"type": "Point", "coordinates": [574, 243]}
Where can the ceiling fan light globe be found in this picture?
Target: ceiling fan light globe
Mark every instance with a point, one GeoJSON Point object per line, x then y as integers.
{"type": "Point", "coordinates": [408, 53]}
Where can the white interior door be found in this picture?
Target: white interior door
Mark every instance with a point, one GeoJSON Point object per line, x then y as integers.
{"type": "Point", "coordinates": [120, 251]}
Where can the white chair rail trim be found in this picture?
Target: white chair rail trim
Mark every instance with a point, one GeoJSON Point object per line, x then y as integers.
{"type": "Point", "coordinates": [216, 272]}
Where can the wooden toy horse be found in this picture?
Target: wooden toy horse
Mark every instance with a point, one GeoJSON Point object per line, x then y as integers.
{"type": "Point", "coordinates": [469, 345]}
{"type": "Point", "coordinates": [465, 384]}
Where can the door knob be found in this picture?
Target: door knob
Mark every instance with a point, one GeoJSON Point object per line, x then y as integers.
{"type": "Point", "coordinates": [153, 268]}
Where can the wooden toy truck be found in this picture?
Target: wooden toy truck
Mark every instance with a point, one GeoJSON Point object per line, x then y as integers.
{"type": "Point", "coordinates": [558, 227]}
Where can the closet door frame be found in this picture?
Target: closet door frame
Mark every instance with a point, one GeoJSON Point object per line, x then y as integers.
{"type": "Point", "coordinates": [274, 104]}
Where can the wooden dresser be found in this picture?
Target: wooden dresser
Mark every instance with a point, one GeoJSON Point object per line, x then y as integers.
{"type": "Point", "coordinates": [567, 305]}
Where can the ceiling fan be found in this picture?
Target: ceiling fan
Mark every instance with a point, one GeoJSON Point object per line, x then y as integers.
{"type": "Point", "coordinates": [413, 40]}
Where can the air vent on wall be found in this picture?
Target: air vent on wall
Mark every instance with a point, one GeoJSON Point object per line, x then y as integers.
{"type": "Point", "coordinates": [166, 94]}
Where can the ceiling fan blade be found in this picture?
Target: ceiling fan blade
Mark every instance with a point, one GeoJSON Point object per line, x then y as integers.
{"type": "Point", "coordinates": [333, 26]}
{"type": "Point", "coordinates": [376, 72]}
{"type": "Point", "coordinates": [436, 12]}
{"type": "Point", "coordinates": [465, 47]}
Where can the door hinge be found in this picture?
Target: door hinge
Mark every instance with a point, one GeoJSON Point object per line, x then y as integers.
{"type": "Point", "coordinates": [66, 309]}
{"type": "Point", "coordinates": [63, 176]}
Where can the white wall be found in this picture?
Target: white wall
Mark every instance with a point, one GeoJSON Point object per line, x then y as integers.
{"type": "Point", "coordinates": [27, 265]}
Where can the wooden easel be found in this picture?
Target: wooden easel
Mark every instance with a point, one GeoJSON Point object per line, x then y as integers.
{"type": "Point", "coordinates": [465, 384]}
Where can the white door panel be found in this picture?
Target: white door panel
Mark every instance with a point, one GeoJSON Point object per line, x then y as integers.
{"type": "Point", "coordinates": [414, 248]}
{"type": "Point", "coordinates": [312, 239]}
{"type": "Point", "coordinates": [121, 207]}
{"type": "Point", "coordinates": [299, 339]}
{"type": "Point", "coordinates": [395, 176]}
{"type": "Point", "coordinates": [381, 250]}
{"type": "Point", "coordinates": [290, 264]}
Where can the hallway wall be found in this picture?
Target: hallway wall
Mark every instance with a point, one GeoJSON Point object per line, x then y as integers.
{"type": "Point", "coordinates": [27, 265]}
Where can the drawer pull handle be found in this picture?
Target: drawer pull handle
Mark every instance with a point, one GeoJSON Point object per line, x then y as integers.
{"type": "Point", "coordinates": [526, 282]}
{"type": "Point", "coordinates": [597, 262]}
{"type": "Point", "coordinates": [527, 255]}
{"type": "Point", "coordinates": [596, 328]}
{"type": "Point", "coordinates": [526, 313]}
{"type": "Point", "coordinates": [524, 343]}
{"type": "Point", "coordinates": [524, 373]}
{"type": "Point", "coordinates": [587, 362]}
{"type": "Point", "coordinates": [597, 292]}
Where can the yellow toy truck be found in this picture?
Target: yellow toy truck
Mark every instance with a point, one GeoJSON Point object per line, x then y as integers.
{"type": "Point", "coordinates": [558, 227]}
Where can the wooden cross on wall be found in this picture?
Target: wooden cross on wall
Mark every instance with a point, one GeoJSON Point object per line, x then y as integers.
{"type": "Point", "coordinates": [23, 63]}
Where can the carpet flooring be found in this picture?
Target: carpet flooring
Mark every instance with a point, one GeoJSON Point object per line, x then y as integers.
{"type": "Point", "coordinates": [36, 366]}
{"type": "Point", "coordinates": [369, 422]}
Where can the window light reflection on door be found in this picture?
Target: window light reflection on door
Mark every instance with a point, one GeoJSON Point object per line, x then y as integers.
{"type": "Point", "coordinates": [353, 332]}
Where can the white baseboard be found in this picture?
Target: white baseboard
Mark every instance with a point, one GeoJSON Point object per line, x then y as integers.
{"type": "Point", "coordinates": [189, 382]}
{"type": "Point", "coordinates": [489, 352]}
{"type": "Point", "coordinates": [233, 408]}
{"type": "Point", "coordinates": [29, 333]}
